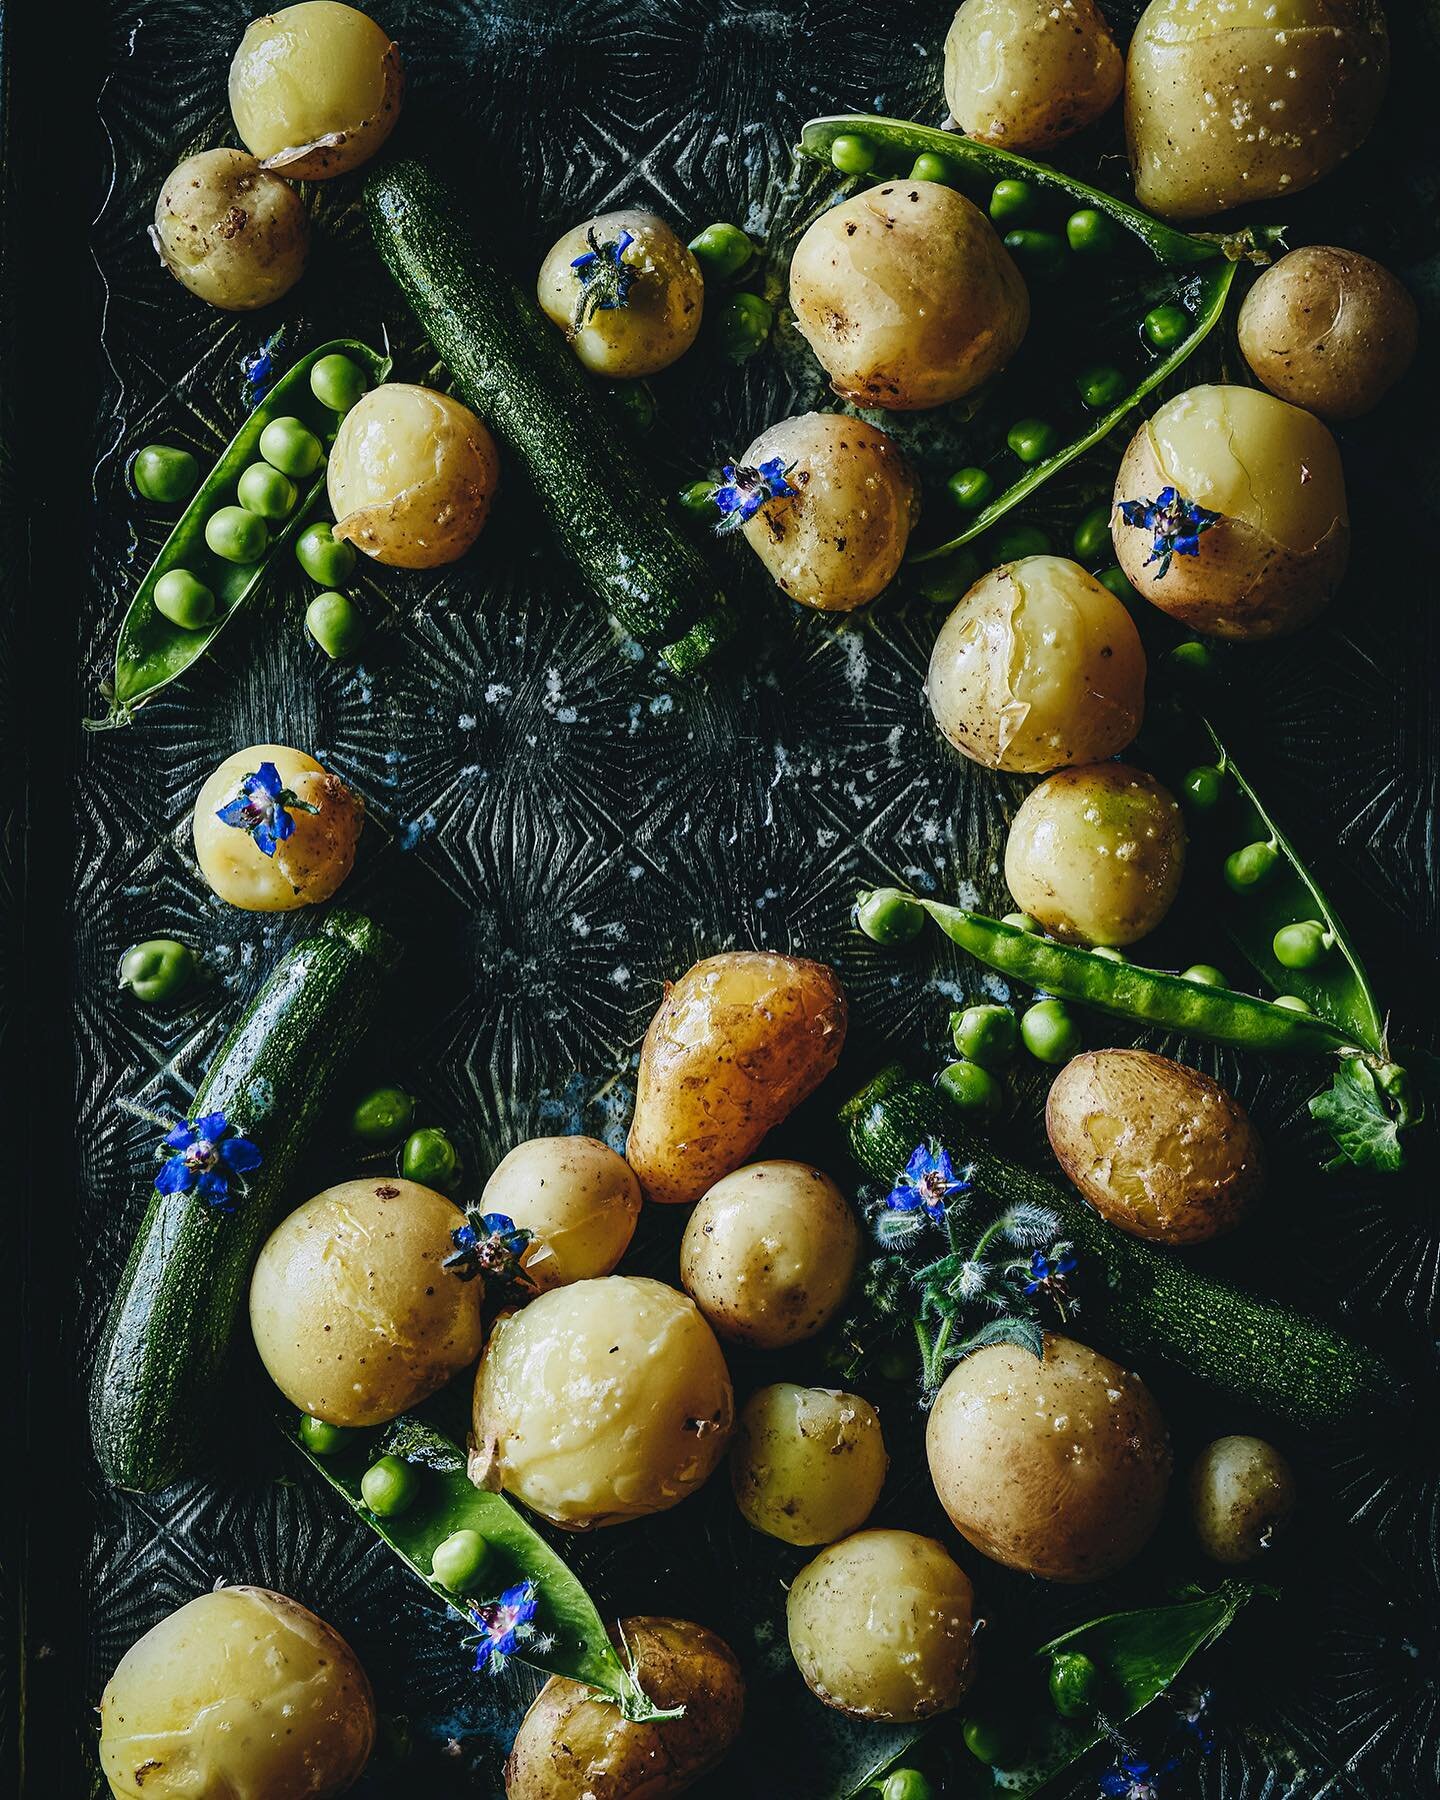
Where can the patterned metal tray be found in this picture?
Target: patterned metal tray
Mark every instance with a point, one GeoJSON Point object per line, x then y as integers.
{"type": "Point", "coordinates": [556, 827]}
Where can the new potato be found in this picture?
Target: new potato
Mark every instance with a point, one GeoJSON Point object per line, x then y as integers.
{"type": "Point", "coordinates": [230, 232]}
{"type": "Point", "coordinates": [663, 307]}
{"type": "Point", "coordinates": [1024, 74]}
{"type": "Point", "coordinates": [807, 1464]}
{"type": "Point", "coordinates": [308, 866]}
{"type": "Point", "coordinates": [579, 1200]}
{"type": "Point", "coordinates": [1242, 1492]}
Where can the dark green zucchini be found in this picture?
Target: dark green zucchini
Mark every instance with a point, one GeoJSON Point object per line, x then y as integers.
{"type": "Point", "coordinates": [1139, 1300]}
{"type": "Point", "coordinates": [167, 1336]}
{"type": "Point", "coordinates": [513, 367]}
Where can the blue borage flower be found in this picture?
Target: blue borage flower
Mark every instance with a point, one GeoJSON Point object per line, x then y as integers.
{"type": "Point", "coordinates": [1192, 1709]}
{"type": "Point", "coordinates": [503, 1625]}
{"type": "Point", "coordinates": [489, 1244]}
{"type": "Point", "coordinates": [261, 367]}
{"type": "Point", "coordinates": [743, 490]}
{"type": "Point", "coordinates": [206, 1156]}
{"type": "Point", "coordinates": [928, 1183]}
{"type": "Point", "coordinates": [1048, 1273]}
{"type": "Point", "coordinates": [604, 275]}
{"type": "Point", "coordinates": [263, 807]}
{"type": "Point", "coordinates": [1174, 524]}
{"type": "Point", "coordinates": [1132, 1780]}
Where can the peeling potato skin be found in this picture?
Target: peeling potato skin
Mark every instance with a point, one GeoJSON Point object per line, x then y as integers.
{"type": "Point", "coordinates": [1025, 74]}
{"type": "Point", "coordinates": [229, 231]}
{"type": "Point", "coordinates": [574, 1745]}
{"type": "Point", "coordinates": [1159, 1150]}
{"type": "Point", "coordinates": [807, 1464]}
{"type": "Point", "coordinates": [737, 1043]}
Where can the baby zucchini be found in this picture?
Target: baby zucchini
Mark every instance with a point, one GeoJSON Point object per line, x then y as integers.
{"type": "Point", "coordinates": [153, 648]}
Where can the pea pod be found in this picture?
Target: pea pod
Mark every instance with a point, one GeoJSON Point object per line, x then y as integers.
{"type": "Point", "coordinates": [152, 650]}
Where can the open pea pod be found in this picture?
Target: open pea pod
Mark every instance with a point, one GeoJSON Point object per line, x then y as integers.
{"type": "Point", "coordinates": [151, 650]}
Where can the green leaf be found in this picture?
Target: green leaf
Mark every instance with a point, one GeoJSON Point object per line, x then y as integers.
{"type": "Point", "coordinates": [1024, 1332]}
{"type": "Point", "coordinates": [1353, 1111]}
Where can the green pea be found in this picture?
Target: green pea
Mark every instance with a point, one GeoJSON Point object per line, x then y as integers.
{"type": "Point", "coordinates": [1302, 945]}
{"type": "Point", "coordinates": [1019, 541]}
{"type": "Point", "coordinates": [1108, 953]}
{"type": "Point", "coordinates": [1292, 1003]}
{"type": "Point", "coordinates": [463, 1563]}
{"type": "Point", "coordinates": [1075, 1684]}
{"type": "Point", "coordinates": [987, 1035]}
{"type": "Point", "coordinates": [158, 969]}
{"type": "Point", "coordinates": [722, 250]}
{"type": "Point", "coordinates": [183, 600]}
{"type": "Point", "coordinates": [1022, 922]}
{"type": "Point", "coordinates": [888, 917]}
{"type": "Point", "coordinates": [236, 535]}
{"type": "Point", "coordinates": [1191, 659]}
{"type": "Point", "coordinates": [430, 1158]}
{"type": "Point", "coordinates": [1248, 867]}
{"type": "Point", "coordinates": [1092, 534]}
{"type": "Point", "coordinates": [972, 1089]}
{"type": "Point", "coordinates": [1011, 202]}
{"type": "Point", "coordinates": [1101, 386]}
{"type": "Point", "coordinates": [324, 557]}
{"type": "Point", "coordinates": [930, 167]}
{"type": "Point", "coordinates": [948, 578]}
{"type": "Point", "coordinates": [290, 446]}
{"type": "Point", "coordinates": [743, 324]}
{"type": "Point", "coordinates": [387, 1487]}
{"type": "Point", "coordinates": [1041, 252]}
{"type": "Point", "coordinates": [1118, 583]}
{"type": "Point", "coordinates": [1206, 974]}
{"type": "Point", "coordinates": [336, 624]}
{"type": "Point", "coordinates": [906, 1784]}
{"type": "Point", "coordinates": [971, 489]}
{"type": "Point", "coordinates": [1090, 233]}
{"type": "Point", "coordinates": [1203, 787]}
{"type": "Point", "coordinates": [383, 1117]}
{"type": "Point", "coordinates": [699, 498]}
{"type": "Point", "coordinates": [853, 155]}
{"type": "Point", "coordinates": [990, 1740]}
{"type": "Point", "coordinates": [321, 1437]}
{"type": "Point", "coordinates": [1049, 1031]}
{"type": "Point", "coordinates": [266, 492]}
{"type": "Point", "coordinates": [337, 382]}
{"type": "Point", "coordinates": [1166, 326]}
{"type": "Point", "coordinates": [635, 402]}
{"type": "Point", "coordinates": [164, 474]}
{"type": "Point", "coordinates": [1032, 440]}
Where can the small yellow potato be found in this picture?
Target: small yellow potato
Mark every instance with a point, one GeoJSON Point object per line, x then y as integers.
{"type": "Point", "coordinates": [1038, 667]}
{"type": "Point", "coordinates": [907, 296]}
{"type": "Point", "coordinates": [573, 1744]}
{"type": "Point", "coordinates": [241, 1693]}
{"type": "Point", "coordinates": [411, 476]}
{"type": "Point", "coordinates": [306, 867]}
{"type": "Point", "coordinates": [738, 1042]}
{"type": "Point", "coordinates": [769, 1253]}
{"type": "Point", "coordinates": [1056, 1467]}
{"type": "Point", "coordinates": [230, 232]}
{"type": "Point", "coordinates": [1024, 74]}
{"type": "Point", "coordinates": [600, 1402]}
{"type": "Point", "coordinates": [1242, 1493]}
{"type": "Point", "coordinates": [807, 1464]}
{"type": "Point", "coordinates": [1248, 99]}
{"type": "Point", "coordinates": [1096, 854]}
{"type": "Point", "coordinates": [353, 1315]}
{"type": "Point", "coordinates": [315, 89]}
{"type": "Point", "coordinates": [881, 1627]}
{"type": "Point", "coordinates": [1159, 1150]}
{"type": "Point", "coordinates": [664, 293]}
{"type": "Point", "coordinates": [838, 540]}
{"type": "Point", "coordinates": [577, 1198]}
{"type": "Point", "coordinates": [1273, 474]}
{"type": "Point", "coordinates": [1329, 330]}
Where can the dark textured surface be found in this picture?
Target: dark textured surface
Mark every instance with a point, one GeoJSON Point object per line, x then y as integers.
{"type": "Point", "coordinates": [557, 827]}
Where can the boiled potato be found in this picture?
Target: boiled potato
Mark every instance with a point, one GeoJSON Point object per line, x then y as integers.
{"type": "Point", "coordinates": [411, 476]}
{"type": "Point", "coordinates": [1252, 100]}
{"type": "Point", "coordinates": [353, 1315]}
{"type": "Point", "coordinates": [738, 1042]}
{"type": "Point", "coordinates": [229, 231]}
{"type": "Point", "coordinates": [573, 1743]}
{"type": "Point", "coordinates": [1095, 855]}
{"type": "Point", "coordinates": [241, 1693]}
{"type": "Point", "coordinates": [1038, 666]}
{"type": "Point", "coordinates": [577, 1198]}
{"type": "Point", "coordinates": [663, 293]}
{"type": "Point", "coordinates": [1242, 1492]}
{"type": "Point", "coordinates": [301, 869]}
{"type": "Point", "coordinates": [838, 540]}
{"type": "Point", "coordinates": [1057, 1467]}
{"type": "Point", "coordinates": [315, 89]}
{"type": "Point", "coordinates": [907, 296]}
{"type": "Point", "coordinates": [1329, 330]}
{"type": "Point", "coordinates": [1159, 1150]}
{"type": "Point", "coordinates": [769, 1253]}
{"type": "Point", "coordinates": [1273, 474]}
{"type": "Point", "coordinates": [807, 1464]}
{"type": "Point", "coordinates": [601, 1402]}
{"type": "Point", "coordinates": [880, 1626]}
{"type": "Point", "coordinates": [1026, 73]}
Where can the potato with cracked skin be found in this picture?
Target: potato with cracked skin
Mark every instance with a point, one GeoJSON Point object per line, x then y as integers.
{"type": "Point", "coordinates": [1057, 1467]}
{"type": "Point", "coordinates": [907, 296]}
{"type": "Point", "coordinates": [881, 1626]}
{"type": "Point", "coordinates": [573, 1743]}
{"type": "Point", "coordinates": [1158, 1149]}
{"type": "Point", "coordinates": [807, 1464]}
{"type": "Point", "coordinates": [354, 1315]}
{"type": "Point", "coordinates": [1242, 1493]}
{"type": "Point", "coordinates": [1252, 100]}
{"type": "Point", "coordinates": [229, 231]}
{"type": "Point", "coordinates": [664, 293]}
{"type": "Point", "coordinates": [240, 1692]}
{"type": "Point", "coordinates": [322, 816]}
{"type": "Point", "coordinates": [737, 1043]}
{"type": "Point", "coordinates": [1276, 553]}
{"type": "Point", "coordinates": [1026, 74]}
{"type": "Point", "coordinates": [578, 1199]}
{"type": "Point", "coordinates": [600, 1402]}
{"type": "Point", "coordinates": [1038, 667]}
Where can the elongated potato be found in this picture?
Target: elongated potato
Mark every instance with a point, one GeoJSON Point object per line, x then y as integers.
{"type": "Point", "coordinates": [1025, 74]}
{"type": "Point", "coordinates": [324, 820]}
{"type": "Point", "coordinates": [738, 1042]}
{"type": "Point", "coordinates": [1159, 1150]}
{"type": "Point", "coordinates": [579, 1200]}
